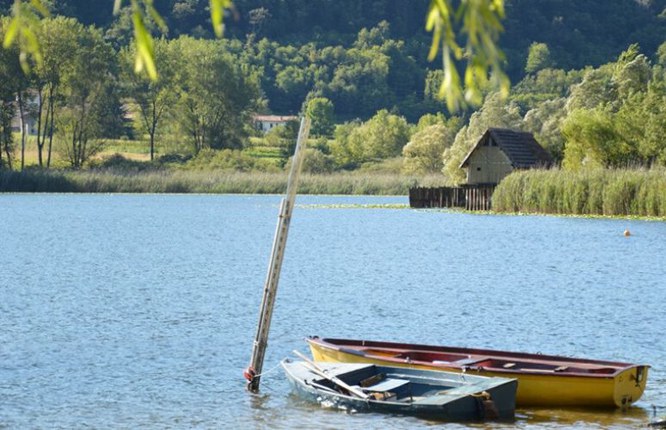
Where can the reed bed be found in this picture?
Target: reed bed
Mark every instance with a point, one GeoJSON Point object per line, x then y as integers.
{"type": "Point", "coordinates": [631, 192]}
{"type": "Point", "coordinates": [628, 192]}
{"type": "Point", "coordinates": [222, 182]}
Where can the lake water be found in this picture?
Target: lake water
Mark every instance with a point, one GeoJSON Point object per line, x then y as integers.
{"type": "Point", "coordinates": [130, 311]}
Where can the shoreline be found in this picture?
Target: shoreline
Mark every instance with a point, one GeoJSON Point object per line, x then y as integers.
{"type": "Point", "coordinates": [167, 181]}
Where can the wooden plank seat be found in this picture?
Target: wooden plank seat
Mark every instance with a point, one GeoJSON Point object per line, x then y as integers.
{"type": "Point", "coordinates": [471, 360]}
{"type": "Point", "coordinates": [388, 384]}
{"type": "Point", "coordinates": [387, 389]}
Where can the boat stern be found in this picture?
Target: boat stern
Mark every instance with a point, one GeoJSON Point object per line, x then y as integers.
{"type": "Point", "coordinates": [629, 385]}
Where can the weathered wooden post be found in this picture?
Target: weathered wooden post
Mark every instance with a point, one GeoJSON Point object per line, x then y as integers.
{"type": "Point", "coordinates": [253, 372]}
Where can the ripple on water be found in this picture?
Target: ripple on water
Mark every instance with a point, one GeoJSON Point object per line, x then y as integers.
{"type": "Point", "coordinates": [139, 310]}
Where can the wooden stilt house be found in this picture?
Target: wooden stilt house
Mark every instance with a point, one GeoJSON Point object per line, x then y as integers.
{"type": "Point", "coordinates": [501, 151]}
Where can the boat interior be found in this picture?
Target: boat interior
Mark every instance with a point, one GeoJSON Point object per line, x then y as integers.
{"type": "Point", "coordinates": [381, 385]}
{"type": "Point", "coordinates": [489, 363]}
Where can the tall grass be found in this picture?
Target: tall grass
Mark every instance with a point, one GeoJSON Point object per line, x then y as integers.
{"type": "Point", "coordinates": [629, 192]}
{"type": "Point", "coordinates": [180, 181]}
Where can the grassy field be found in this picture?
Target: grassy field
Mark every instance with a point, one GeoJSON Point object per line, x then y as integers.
{"type": "Point", "coordinates": [130, 149]}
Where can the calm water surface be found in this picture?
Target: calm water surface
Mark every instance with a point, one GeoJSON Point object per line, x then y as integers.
{"type": "Point", "coordinates": [130, 311]}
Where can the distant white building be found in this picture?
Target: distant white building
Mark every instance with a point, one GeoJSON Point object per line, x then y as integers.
{"type": "Point", "coordinates": [266, 122]}
{"type": "Point", "coordinates": [29, 120]}
{"type": "Point", "coordinates": [29, 124]}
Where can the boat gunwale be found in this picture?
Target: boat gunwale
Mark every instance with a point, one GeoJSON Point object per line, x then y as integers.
{"type": "Point", "coordinates": [414, 407]}
{"type": "Point", "coordinates": [347, 346]}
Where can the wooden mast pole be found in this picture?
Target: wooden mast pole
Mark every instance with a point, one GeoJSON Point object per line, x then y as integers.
{"type": "Point", "coordinates": [253, 372]}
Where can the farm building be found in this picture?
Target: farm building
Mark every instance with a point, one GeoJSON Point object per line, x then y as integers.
{"type": "Point", "coordinates": [499, 152]}
{"type": "Point", "coordinates": [266, 122]}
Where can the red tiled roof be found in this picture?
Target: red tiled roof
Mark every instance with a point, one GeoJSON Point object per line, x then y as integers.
{"type": "Point", "coordinates": [275, 118]}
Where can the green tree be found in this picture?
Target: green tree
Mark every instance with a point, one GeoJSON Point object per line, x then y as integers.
{"type": "Point", "coordinates": [383, 136]}
{"type": "Point", "coordinates": [10, 71]}
{"type": "Point", "coordinates": [217, 95]}
{"type": "Point", "coordinates": [642, 121]}
{"type": "Point", "coordinates": [91, 106]}
{"type": "Point", "coordinates": [661, 55]}
{"type": "Point", "coordinates": [373, 37]}
{"type": "Point", "coordinates": [608, 85]}
{"type": "Point", "coordinates": [314, 161]}
{"type": "Point", "coordinates": [423, 153]}
{"type": "Point", "coordinates": [597, 88]}
{"type": "Point", "coordinates": [633, 76]}
{"type": "Point", "coordinates": [379, 138]}
{"type": "Point", "coordinates": [593, 141]}
{"type": "Point", "coordinates": [86, 96]}
{"type": "Point", "coordinates": [543, 86]}
{"type": "Point", "coordinates": [320, 112]}
{"type": "Point", "coordinates": [615, 115]}
{"type": "Point", "coordinates": [478, 20]}
{"type": "Point", "coordinates": [153, 100]}
{"type": "Point", "coordinates": [16, 98]}
{"type": "Point", "coordinates": [346, 152]}
{"type": "Point", "coordinates": [360, 84]}
{"type": "Point", "coordinates": [60, 38]}
{"type": "Point", "coordinates": [430, 119]}
{"type": "Point", "coordinates": [433, 82]}
{"type": "Point", "coordinates": [545, 122]}
{"type": "Point", "coordinates": [294, 82]}
{"type": "Point", "coordinates": [538, 58]}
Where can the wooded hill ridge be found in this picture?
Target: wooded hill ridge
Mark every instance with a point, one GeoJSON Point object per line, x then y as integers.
{"type": "Point", "coordinates": [589, 82]}
{"type": "Point", "coordinates": [579, 32]}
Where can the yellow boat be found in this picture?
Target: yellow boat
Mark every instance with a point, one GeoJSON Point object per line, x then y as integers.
{"type": "Point", "coordinates": [543, 380]}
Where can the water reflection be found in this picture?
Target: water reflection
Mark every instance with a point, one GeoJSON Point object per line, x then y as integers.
{"type": "Point", "coordinates": [632, 417]}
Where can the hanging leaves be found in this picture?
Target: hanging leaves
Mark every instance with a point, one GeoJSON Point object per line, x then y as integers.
{"type": "Point", "coordinates": [480, 21]}
{"type": "Point", "coordinates": [145, 51]}
{"type": "Point", "coordinates": [217, 8]}
{"type": "Point", "coordinates": [23, 28]}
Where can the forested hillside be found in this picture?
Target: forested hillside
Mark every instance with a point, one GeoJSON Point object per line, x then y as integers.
{"type": "Point", "coordinates": [588, 79]}
{"type": "Point", "coordinates": [315, 46]}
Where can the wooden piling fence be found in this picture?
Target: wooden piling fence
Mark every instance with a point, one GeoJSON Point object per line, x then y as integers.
{"type": "Point", "coordinates": [469, 197]}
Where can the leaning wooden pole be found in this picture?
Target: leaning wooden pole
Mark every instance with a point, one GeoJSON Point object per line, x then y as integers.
{"type": "Point", "coordinates": [253, 372]}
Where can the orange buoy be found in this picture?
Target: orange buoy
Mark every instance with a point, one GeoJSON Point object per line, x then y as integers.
{"type": "Point", "coordinates": [627, 233]}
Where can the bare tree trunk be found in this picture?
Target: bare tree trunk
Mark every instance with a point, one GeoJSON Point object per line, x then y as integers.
{"type": "Point", "coordinates": [52, 110]}
{"type": "Point", "coordinates": [4, 146]}
{"type": "Point", "coordinates": [45, 123]}
{"type": "Point", "coordinates": [153, 126]}
{"type": "Point", "coordinates": [6, 114]}
{"type": "Point", "coordinates": [40, 123]}
{"type": "Point", "coordinates": [22, 124]}
{"type": "Point", "coordinates": [9, 157]}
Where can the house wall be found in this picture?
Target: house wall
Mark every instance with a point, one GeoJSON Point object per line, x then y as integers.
{"type": "Point", "coordinates": [487, 165]}
{"type": "Point", "coordinates": [29, 124]}
{"type": "Point", "coordinates": [267, 125]}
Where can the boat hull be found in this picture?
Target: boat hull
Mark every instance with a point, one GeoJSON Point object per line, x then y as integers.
{"type": "Point", "coordinates": [453, 398]}
{"type": "Point", "coordinates": [618, 389]}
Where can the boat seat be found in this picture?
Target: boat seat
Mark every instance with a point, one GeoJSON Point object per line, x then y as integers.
{"type": "Point", "coordinates": [388, 384]}
{"type": "Point", "coordinates": [471, 360]}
